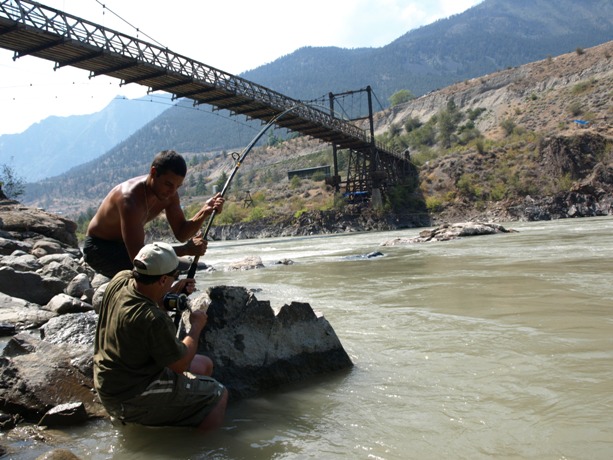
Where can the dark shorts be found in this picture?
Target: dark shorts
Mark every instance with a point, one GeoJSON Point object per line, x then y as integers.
{"type": "Point", "coordinates": [106, 257]}
{"type": "Point", "coordinates": [170, 400]}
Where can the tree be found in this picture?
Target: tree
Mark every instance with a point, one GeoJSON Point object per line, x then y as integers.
{"type": "Point", "coordinates": [221, 181]}
{"type": "Point", "coordinates": [400, 97]}
{"type": "Point", "coordinates": [11, 185]}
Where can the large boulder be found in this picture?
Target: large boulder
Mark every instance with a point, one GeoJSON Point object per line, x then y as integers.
{"type": "Point", "coordinates": [37, 376]}
{"type": "Point", "coordinates": [255, 349]}
{"type": "Point", "coordinates": [14, 217]}
{"type": "Point", "coordinates": [21, 314]}
{"type": "Point", "coordinates": [29, 286]}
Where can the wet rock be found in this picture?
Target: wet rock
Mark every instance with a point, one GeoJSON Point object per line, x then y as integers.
{"type": "Point", "coordinates": [7, 329]}
{"type": "Point", "coordinates": [36, 375]}
{"type": "Point", "coordinates": [65, 415]}
{"type": "Point", "coordinates": [58, 454]}
{"type": "Point", "coordinates": [285, 262]}
{"type": "Point", "coordinates": [8, 421]}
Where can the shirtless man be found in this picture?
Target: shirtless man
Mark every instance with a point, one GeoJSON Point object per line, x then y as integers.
{"type": "Point", "coordinates": [117, 231]}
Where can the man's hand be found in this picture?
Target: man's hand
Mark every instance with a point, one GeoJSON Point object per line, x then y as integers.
{"type": "Point", "coordinates": [184, 286]}
{"type": "Point", "coordinates": [196, 246]}
{"type": "Point", "coordinates": [215, 203]}
{"type": "Point", "coordinates": [197, 319]}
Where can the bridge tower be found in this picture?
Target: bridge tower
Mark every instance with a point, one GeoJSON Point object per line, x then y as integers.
{"type": "Point", "coordinates": [372, 171]}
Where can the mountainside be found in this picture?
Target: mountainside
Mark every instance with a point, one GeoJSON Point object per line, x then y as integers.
{"type": "Point", "coordinates": [530, 143]}
{"type": "Point", "coordinates": [52, 146]}
{"type": "Point", "coordinates": [432, 53]}
{"type": "Point", "coordinates": [491, 36]}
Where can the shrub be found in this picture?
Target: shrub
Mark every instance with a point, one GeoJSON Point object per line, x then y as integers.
{"type": "Point", "coordinates": [508, 126]}
{"type": "Point", "coordinates": [575, 108]}
{"type": "Point", "coordinates": [400, 97]}
{"type": "Point", "coordinates": [295, 182]}
{"type": "Point", "coordinates": [434, 203]}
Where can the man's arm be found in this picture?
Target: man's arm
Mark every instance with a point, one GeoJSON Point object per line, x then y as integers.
{"type": "Point", "coordinates": [197, 320]}
{"type": "Point", "coordinates": [184, 229]}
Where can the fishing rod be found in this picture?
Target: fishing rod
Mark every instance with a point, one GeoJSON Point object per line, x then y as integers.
{"type": "Point", "coordinates": [239, 160]}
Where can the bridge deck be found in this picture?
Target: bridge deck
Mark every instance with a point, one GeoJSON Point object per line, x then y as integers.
{"type": "Point", "coordinates": [33, 29]}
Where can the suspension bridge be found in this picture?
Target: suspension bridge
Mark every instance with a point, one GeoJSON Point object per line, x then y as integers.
{"type": "Point", "coordinates": [31, 29]}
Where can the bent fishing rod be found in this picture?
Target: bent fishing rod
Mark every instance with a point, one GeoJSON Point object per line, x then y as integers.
{"type": "Point", "coordinates": [239, 161]}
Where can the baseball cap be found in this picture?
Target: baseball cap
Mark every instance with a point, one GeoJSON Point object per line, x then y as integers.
{"type": "Point", "coordinates": [158, 258]}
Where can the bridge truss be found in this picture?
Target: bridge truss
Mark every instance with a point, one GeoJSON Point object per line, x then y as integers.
{"type": "Point", "coordinates": [30, 28]}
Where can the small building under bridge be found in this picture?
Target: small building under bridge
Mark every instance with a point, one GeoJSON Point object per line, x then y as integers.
{"type": "Point", "coordinates": [307, 173]}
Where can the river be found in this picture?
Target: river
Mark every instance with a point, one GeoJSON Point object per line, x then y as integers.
{"type": "Point", "coordinates": [484, 347]}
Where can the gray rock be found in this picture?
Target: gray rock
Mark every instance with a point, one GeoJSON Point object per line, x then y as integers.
{"type": "Point", "coordinates": [59, 271]}
{"type": "Point", "coordinates": [21, 263]}
{"type": "Point", "coordinates": [97, 297]}
{"type": "Point", "coordinates": [14, 217]}
{"type": "Point", "coordinates": [448, 232]}
{"type": "Point", "coordinates": [64, 258]}
{"type": "Point", "coordinates": [255, 350]}
{"type": "Point", "coordinates": [98, 280]}
{"type": "Point", "coordinates": [248, 263]}
{"type": "Point", "coordinates": [46, 246]}
{"type": "Point", "coordinates": [22, 314]}
{"type": "Point", "coordinates": [72, 328]}
{"type": "Point", "coordinates": [78, 286]}
{"type": "Point", "coordinates": [63, 303]}
{"type": "Point", "coordinates": [9, 245]}
{"type": "Point", "coordinates": [30, 286]}
{"type": "Point", "coordinates": [36, 375]}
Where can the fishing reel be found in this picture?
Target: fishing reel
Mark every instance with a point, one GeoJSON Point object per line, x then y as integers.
{"type": "Point", "coordinates": [176, 302]}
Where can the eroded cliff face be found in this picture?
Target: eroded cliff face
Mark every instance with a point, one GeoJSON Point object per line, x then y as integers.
{"type": "Point", "coordinates": [549, 178]}
{"type": "Point", "coordinates": [554, 162]}
{"type": "Point", "coordinates": [545, 96]}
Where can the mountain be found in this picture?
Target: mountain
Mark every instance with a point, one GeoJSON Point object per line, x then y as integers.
{"type": "Point", "coordinates": [52, 146]}
{"type": "Point", "coordinates": [491, 36]}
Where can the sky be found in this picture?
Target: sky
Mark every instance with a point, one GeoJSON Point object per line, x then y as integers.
{"type": "Point", "coordinates": [231, 36]}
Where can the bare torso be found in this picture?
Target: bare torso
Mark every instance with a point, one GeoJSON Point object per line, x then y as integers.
{"type": "Point", "coordinates": [130, 205]}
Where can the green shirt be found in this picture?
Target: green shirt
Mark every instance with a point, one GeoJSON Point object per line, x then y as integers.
{"type": "Point", "coordinates": [135, 340]}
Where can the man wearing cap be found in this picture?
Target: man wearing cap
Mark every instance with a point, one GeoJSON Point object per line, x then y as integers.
{"type": "Point", "coordinates": [142, 372]}
{"type": "Point", "coordinates": [117, 231]}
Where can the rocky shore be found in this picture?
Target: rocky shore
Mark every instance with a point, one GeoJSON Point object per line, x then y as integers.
{"type": "Point", "coordinates": [48, 312]}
